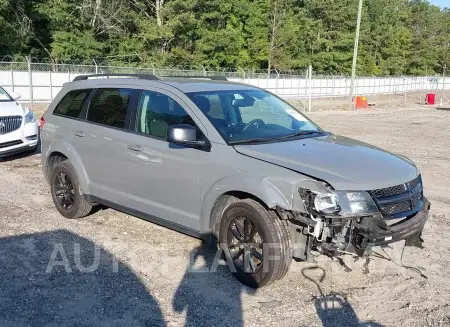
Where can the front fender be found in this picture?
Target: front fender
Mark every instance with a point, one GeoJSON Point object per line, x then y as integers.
{"type": "Point", "coordinates": [66, 149]}
{"type": "Point", "coordinates": [272, 191]}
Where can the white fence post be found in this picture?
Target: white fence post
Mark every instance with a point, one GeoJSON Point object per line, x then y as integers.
{"type": "Point", "coordinates": [96, 66]}
{"type": "Point", "coordinates": [51, 85]}
{"type": "Point", "coordinates": [421, 87]}
{"type": "Point", "coordinates": [404, 87]}
{"type": "Point", "coordinates": [30, 81]}
{"type": "Point", "coordinates": [243, 73]}
{"type": "Point", "coordinates": [443, 85]}
{"type": "Point", "coordinates": [389, 91]}
{"type": "Point", "coordinates": [12, 79]}
{"type": "Point", "coordinates": [310, 88]}
{"type": "Point", "coordinates": [332, 89]}
{"type": "Point", "coordinates": [291, 87]}
{"type": "Point", "coordinates": [276, 82]}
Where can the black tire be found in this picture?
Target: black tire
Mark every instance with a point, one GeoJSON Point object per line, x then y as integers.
{"type": "Point", "coordinates": [71, 204]}
{"type": "Point", "coordinates": [266, 263]}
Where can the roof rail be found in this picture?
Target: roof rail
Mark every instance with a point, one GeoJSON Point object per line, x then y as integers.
{"type": "Point", "coordinates": [139, 76]}
{"type": "Point", "coordinates": [213, 78]}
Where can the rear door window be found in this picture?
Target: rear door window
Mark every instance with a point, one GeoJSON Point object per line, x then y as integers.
{"type": "Point", "coordinates": [109, 107]}
{"type": "Point", "coordinates": [72, 103]}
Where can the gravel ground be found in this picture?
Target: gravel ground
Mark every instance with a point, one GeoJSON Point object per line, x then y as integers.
{"type": "Point", "coordinates": [142, 277]}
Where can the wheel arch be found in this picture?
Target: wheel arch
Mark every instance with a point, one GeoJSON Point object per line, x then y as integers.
{"type": "Point", "coordinates": [225, 190]}
{"type": "Point", "coordinates": [54, 158]}
{"type": "Point", "coordinates": [62, 150]}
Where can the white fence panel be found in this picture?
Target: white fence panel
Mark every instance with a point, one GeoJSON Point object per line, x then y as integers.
{"type": "Point", "coordinates": [47, 81]}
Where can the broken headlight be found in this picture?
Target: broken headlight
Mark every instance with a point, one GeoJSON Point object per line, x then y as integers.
{"type": "Point", "coordinates": [338, 203]}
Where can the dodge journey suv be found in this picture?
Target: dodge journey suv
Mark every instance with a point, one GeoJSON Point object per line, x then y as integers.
{"type": "Point", "coordinates": [228, 162]}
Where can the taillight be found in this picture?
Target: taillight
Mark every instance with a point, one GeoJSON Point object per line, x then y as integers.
{"type": "Point", "coordinates": [41, 122]}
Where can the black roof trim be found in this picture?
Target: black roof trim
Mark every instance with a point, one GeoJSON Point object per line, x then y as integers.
{"type": "Point", "coordinates": [213, 78]}
{"type": "Point", "coordinates": [139, 76]}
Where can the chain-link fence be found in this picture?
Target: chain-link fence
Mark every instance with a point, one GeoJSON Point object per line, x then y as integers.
{"type": "Point", "coordinates": [41, 81]}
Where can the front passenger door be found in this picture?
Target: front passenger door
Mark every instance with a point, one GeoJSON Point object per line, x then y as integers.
{"type": "Point", "coordinates": [164, 178]}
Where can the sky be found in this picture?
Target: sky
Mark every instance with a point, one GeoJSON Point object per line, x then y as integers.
{"type": "Point", "coordinates": [441, 3]}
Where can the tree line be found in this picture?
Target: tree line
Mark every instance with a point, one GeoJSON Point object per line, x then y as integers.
{"type": "Point", "coordinates": [397, 36]}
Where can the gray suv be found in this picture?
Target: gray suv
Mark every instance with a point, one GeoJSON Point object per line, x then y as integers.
{"type": "Point", "coordinates": [229, 163]}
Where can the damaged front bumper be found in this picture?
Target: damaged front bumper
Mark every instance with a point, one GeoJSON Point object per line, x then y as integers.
{"type": "Point", "coordinates": [369, 234]}
{"type": "Point", "coordinates": [355, 236]}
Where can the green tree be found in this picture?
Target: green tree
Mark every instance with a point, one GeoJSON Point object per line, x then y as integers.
{"type": "Point", "coordinates": [425, 23]}
{"type": "Point", "coordinates": [390, 38]}
{"type": "Point", "coordinates": [397, 36]}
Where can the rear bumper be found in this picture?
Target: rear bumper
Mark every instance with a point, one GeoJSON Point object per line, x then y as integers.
{"type": "Point", "coordinates": [409, 230]}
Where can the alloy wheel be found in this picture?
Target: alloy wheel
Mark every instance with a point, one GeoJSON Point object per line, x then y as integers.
{"type": "Point", "coordinates": [245, 245]}
{"type": "Point", "coordinates": [64, 191]}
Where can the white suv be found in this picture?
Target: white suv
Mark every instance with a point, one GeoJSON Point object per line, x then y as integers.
{"type": "Point", "coordinates": [18, 127]}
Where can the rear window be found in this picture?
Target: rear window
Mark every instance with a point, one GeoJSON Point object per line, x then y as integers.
{"type": "Point", "coordinates": [72, 103]}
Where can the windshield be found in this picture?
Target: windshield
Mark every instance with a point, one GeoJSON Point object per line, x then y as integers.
{"type": "Point", "coordinates": [4, 96]}
{"type": "Point", "coordinates": [252, 116]}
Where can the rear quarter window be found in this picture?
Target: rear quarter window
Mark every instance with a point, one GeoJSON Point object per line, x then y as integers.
{"type": "Point", "coordinates": [72, 103]}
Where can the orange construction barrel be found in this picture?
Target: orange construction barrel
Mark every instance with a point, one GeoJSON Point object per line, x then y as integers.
{"type": "Point", "coordinates": [361, 102]}
{"type": "Point", "coordinates": [431, 98]}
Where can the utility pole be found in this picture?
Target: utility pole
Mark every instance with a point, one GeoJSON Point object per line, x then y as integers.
{"type": "Point", "coordinates": [310, 87]}
{"type": "Point", "coordinates": [355, 55]}
{"type": "Point", "coordinates": [443, 84]}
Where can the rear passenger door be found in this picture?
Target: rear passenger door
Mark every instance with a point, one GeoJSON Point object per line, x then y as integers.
{"type": "Point", "coordinates": [164, 178]}
{"type": "Point", "coordinates": [101, 140]}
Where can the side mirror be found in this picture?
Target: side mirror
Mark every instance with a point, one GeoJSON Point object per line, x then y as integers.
{"type": "Point", "coordinates": [186, 135]}
{"type": "Point", "coordinates": [15, 95]}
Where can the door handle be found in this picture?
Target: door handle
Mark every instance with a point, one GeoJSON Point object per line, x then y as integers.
{"type": "Point", "coordinates": [79, 134]}
{"type": "Point", "coordinates": [135, 147]}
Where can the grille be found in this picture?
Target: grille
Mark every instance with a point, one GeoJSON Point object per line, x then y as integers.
{"type": "Point", "coordinates": [389, 191]}
{"type": "Point", "coordinates": [392, 209]}
{"type": "Point", "coordinates": [398, 199]}
{"type": "Point", "coordinates": [10, 124]}
{"type": "Point", "coordinates": [11, 143]}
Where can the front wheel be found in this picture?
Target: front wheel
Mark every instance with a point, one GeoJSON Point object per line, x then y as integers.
{"type": "Point", "coordinates": [256, 241]}
{"type": "Point", "coordinates": [66, 194]}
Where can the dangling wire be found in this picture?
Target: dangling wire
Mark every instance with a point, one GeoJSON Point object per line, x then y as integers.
{"type": "Point", "coordinates": [388, 258]}
{"type": "Point", "coordinates": [313, 281]}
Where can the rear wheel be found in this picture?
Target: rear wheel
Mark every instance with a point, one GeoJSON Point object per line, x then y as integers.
{"type": "Point", "coordinates": [257, 242]}
{"type": "Point", "coordinates": [66, 194]}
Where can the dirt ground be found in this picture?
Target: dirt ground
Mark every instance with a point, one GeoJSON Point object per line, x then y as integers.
{"type": "Point", "coordinates": [142, 278]}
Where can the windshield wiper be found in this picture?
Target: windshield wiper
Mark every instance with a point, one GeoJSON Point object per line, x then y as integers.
{"type": "Point", "coordinates": [300, 133]}
{"type": "Point", "coordinates": [262, 140]}
{"type": "Point", "coordinates": [252, 141]}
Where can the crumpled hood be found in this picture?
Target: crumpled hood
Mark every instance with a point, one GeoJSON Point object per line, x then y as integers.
{"type": "Point", "coordinates": [344, 163]}
{"type": "Point", "coordinates": [11, 108]}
